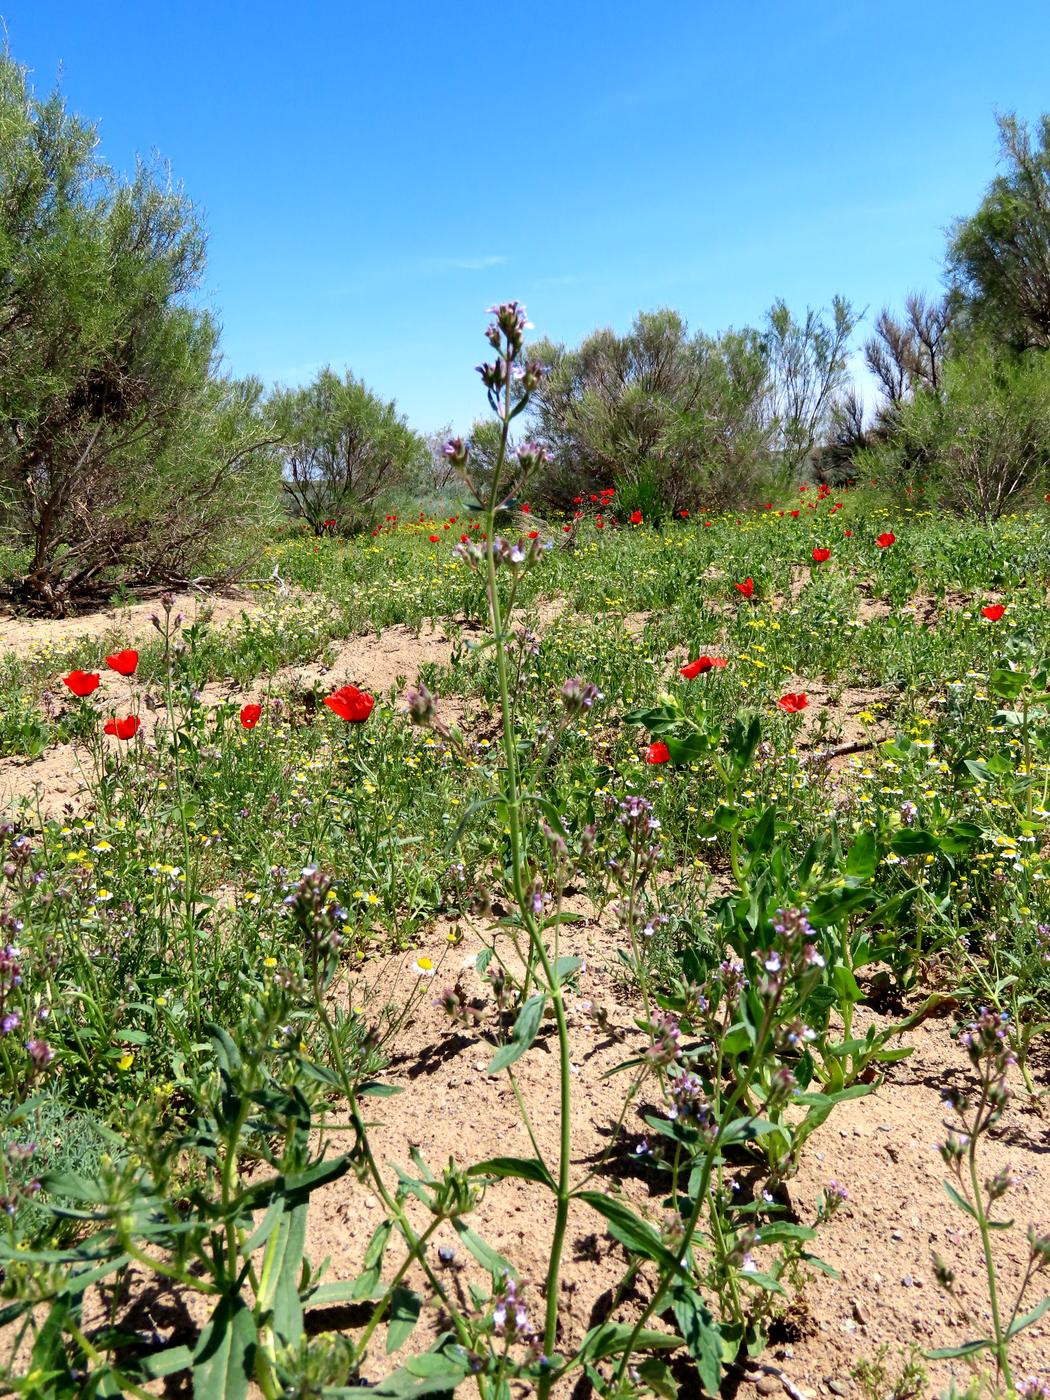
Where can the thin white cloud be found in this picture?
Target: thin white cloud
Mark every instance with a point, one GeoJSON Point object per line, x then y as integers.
{"type": "Point", "coordinates": [465, 264]}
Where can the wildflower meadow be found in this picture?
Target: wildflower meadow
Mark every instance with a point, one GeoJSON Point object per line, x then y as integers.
{"type": "Point", "coordinates": [487, 1021]}
{"type": "Point", "coordinates": [555, 905]}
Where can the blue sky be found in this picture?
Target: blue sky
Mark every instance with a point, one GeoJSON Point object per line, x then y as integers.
{"type": "Point", "coordinates": [373, 175]}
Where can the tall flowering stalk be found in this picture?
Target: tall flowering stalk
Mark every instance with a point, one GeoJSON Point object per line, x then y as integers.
{"type": "Point", "coordinates": [977, 1111]}
{"type": "Point", "coordinates": [510, 381]}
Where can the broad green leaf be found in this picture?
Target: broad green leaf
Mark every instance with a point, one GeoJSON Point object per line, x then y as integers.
{"type": "Point", "coordinates": [290, 1245]}
{"type": "Point", "coordinates": [429, 1374]}
{"type": "Point", "coordinates": [224, 1049]}
{"type": "Point", "coordinates": [225, 1354]}
{"type": "Point", "coordinates": [609, 1338]}
{"type": "Point", "coordinates": [861, 859]}
{"type": "Point", "coordinates": [524, 1033]}
{"type": "Point", "coordinates": [405, 1307]}
{"type": "Point", "coordinates": [657, 1376]}
{"type": "Point", "coordinates": [565, 967]}
{"type": "Point", "coordinates": [701, 1334]}
{"type": "Point", "coordinates": [168, 1362]}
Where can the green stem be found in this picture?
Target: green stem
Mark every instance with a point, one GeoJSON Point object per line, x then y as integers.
{"type": "Point", "coordinates": [726, 1117]}
{"type": "Point", "coordinates": [537, 950]}
{"type": "Point", "coordinates": [1001, 1341]}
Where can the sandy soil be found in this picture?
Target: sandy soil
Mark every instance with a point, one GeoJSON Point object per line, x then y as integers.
{"type": "Point", "coordinates": [881, 1147]}
{"type": "Point", "coordinates": [37, 636]}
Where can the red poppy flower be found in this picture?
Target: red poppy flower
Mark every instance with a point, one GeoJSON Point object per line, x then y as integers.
{"type": "Point", "coordinates": [350, 704]}
{"type": "Point", "coordinates": [795, 514]}
{"type": "Point", "coordinates": [534, 534]}
{"type": "Point", "coordinates": [434, 539]}
{"type": "Point", "coordinates": [657, 752]}
{"type": "Point", "coordinates": [885, 540]}
{"type": "Point", "coordinates": [684, 514]}
{"type": "Point", "coordinates": [848, 534]}
{"type": "Point", "coordinates": [794, 702]}
{"type": "Point", "coordinates": [636, 517]}
{"type": "Point", "coordinates": [821, 556]}
{"type": "Point", "coordinates": [700, 666]}
{"type": "Point", "coordinates": [81, 683]}
{"type": "Point", "coordinates": [577, 500]}
{"type": "Point", "coordinates": [123, 662]}
{"type": "Point", "coordinates": [747, 588]}
{"type": "Point", "coordinates": [122, 728]}
{"type": "Point", "coordinates": [993, 612]}
{"type": "Point", "coordinates": [463, 539]}
{"type": "Point", "coordinates": [250, 715]}
{"type": "Point", "coordinates": [525, 507]}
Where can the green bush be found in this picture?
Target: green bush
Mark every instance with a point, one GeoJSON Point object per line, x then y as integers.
{"type": "Point", "coordinates": [981, 445]}
{"type": "Point", "coordinates": [344, 451]}
{"type": "Point", "coordinates": [659, 414]}
{"type": "Point", "coordinates": [120, 456]}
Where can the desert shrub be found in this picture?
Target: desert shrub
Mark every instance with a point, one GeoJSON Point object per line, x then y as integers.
{"type": "Point", "coordinates": [979, 446]}
{"type": "Point", "coordinates": [106, 401]}
{"type": "Point", "coordinates": [660, 414]}
{"type": "Point", "coordinates": [807, 368]}
{"type": "Point", "coordinates": [344, 450]}
{"type": "Point", "coordinates": [999, 257]}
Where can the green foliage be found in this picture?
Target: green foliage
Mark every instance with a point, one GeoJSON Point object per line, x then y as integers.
{"type": "Point", "coordinates": [981, 444]}
{"type": "Point", "coordinates": [807, 362]}
{"type": "Point", "coordinates": [344, 450]}
{"type": "Point", "coordinates": [999, 257]}
{"type": "Point", "coordinates": [657, 413]}
{"type": "Point", "coordinates": [104, 362]}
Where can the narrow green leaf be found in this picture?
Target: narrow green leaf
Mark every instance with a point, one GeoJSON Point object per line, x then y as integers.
{"type": "Point", "coordinates": [488, 1257]}
{"type": "Point", "coordinates": [1036, 1313]}
{"type": "Point", "coordinates": [960, 1201]}
{"type": "Point", "coordinates": [631, 1230]}
{"type": "Point", "coordinates": [527, 1168]}
{"type": "Point", "coordinates": [952, 1353]}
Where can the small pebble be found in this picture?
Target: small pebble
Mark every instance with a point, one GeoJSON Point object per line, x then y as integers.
{"type": "Point", "coordinates": [767, 1385]}
{"type": "Point", "coordinates": [838, 1387]}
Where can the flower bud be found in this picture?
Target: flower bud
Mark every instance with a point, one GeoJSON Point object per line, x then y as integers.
{"type": "Point", "coordinates": [456, 451]}
{"type": "Point", "coordinates": [422, 705]}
